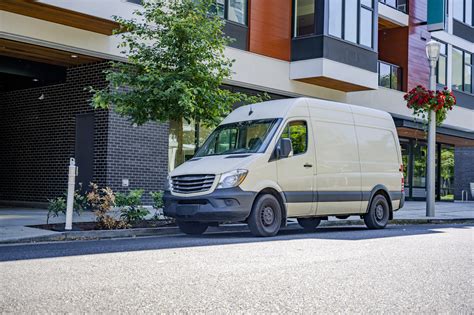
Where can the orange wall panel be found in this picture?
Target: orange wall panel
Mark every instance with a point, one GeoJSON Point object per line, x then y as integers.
{"type": "Point", "coordinates": [393, 48]}
{"type": "Point", "coordinates": [270, 28]}
{"type": "Point", "coordinates": [418, 67]}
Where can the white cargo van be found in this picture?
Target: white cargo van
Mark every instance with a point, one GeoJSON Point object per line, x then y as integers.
{"type": "Point", "coordinates": [295, 158]}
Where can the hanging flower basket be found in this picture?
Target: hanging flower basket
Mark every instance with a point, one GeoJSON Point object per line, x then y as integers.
{"type": "Point", "coordinates": [421, 101]}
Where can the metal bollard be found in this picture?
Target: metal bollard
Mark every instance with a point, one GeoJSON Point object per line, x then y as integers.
{"type": "Point", "coordinates": [70, 193]}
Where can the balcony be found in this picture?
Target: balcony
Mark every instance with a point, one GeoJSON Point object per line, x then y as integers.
{"type": "Point", "coordinates": [400, 5]}
{"type": "Point", "coordinates": [392, 14]}
{"type": "Point", "coordinates": [333, 74]}
{"type": "Point", "coordinates": [389, 76]}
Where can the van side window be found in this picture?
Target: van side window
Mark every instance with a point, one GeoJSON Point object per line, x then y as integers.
{"type": "Point", "coordinates": [297, 131]}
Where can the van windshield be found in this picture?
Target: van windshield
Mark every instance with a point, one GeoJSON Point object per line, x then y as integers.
{"type": "Point", "coordinates": [237, 138]}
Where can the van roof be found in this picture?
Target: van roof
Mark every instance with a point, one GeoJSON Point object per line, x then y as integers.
{"type": "Point", "coordinates": [290, 106]}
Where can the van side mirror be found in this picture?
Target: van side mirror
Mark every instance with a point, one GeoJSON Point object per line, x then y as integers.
{"type": "Point", "coordinates": [284, 148]}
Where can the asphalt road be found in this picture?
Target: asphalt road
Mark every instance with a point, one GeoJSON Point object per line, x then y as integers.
{"type": "Point", "coordinates": [422, 268]}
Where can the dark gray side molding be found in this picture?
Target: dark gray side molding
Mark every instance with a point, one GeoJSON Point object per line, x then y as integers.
{"type": "Point", "coordinates": [337, 196]}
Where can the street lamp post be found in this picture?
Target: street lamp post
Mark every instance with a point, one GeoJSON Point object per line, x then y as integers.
{"type": "Point", "coordinates": [432, 52]}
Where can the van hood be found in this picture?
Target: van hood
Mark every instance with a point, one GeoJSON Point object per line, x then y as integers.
{"type": "Point", "coordinates": [214, 164]}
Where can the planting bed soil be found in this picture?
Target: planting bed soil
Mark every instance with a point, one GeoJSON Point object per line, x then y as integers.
{"type": "Point", "coordinates": [91, 226]}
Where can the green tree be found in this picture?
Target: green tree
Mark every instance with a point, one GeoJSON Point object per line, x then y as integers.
{"type": "Point", "coordinates": [447, 164]}
{"type": "Point", "coordinates": [176, 67]}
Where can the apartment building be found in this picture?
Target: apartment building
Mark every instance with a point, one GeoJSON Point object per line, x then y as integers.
{"type": "Point", "coordinates": [363, 52]}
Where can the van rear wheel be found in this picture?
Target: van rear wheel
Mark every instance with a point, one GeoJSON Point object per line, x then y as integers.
{"type": "Point", "coordinates": [309, 224]}
{"type": "Point", "coordinates": [192, 228]}
{"type": "Point", "coordinates": [379, 213]}
{"type": "Point", "coordinates": [265, 217]}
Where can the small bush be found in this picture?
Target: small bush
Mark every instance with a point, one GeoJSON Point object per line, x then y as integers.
{"type": "Point", "coordinates": [157, 197]}
{"type": "Point", "coordinates": [57, 206]}
{"type": "Point", "coordinates": [131, 207]}
{"type": "Point", "coordinates": [102, 202]}
{"type": "Point", "coordinates": [158, 204]}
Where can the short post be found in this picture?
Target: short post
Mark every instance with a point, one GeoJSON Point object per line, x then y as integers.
{"type": "Point", "coordinates": [70, 193]}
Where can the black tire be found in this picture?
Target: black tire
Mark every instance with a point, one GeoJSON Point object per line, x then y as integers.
{"type": "Point", "coordinates": [309, 224]}
{"type": "Point", "coordinates": [342, 217]}
{"type": "Point", "coordinates": [379, 213]}
{"type": "Point", "coordinates": [192, 228]}
{"type": "Point", "coordinates": [265, 217]}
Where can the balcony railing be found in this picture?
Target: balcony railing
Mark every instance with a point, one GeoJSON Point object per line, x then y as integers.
{"type": "Point", "coordinates": [390, 75]}
{"type": "Point", "coordinates": [400, 5]}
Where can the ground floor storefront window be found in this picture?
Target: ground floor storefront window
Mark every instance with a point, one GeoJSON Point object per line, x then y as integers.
{"type": "Point", "coordinates": [414, 156]}
{"type": "Point", "coordinates": [193, 135]}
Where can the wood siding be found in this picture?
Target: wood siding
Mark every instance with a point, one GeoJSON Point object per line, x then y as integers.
{"type": "Point", "coordinates": [59, 15]}
{"type": "Point", "coordinates": [418, 67]}
{"type": "Point", "coordinates": [37, 53]}
{"type": "Point", "coordinates": [393, 48]}
{"type": "Point", "coordinates": [270, 28]}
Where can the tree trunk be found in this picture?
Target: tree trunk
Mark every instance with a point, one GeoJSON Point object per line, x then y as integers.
{"type": "Point", "coordinates": [180, 138]}
{"type": "Point", "coordinates": [196, 135]}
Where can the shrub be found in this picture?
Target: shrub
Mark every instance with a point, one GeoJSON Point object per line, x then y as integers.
{"type": "Point", "coordinates": [159, 204]}
{"type": "Point", "coordinates": [102, 202]}
{"type": "Point", "coordinates": [157, 197]}
{"type": "Point", "coordinates": [57, 206]}
{"type": "Point", "coordinates": [131, 206]}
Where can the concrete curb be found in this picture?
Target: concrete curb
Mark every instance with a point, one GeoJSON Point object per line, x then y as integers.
{"type": "Point", "coordinates": [401, 221]}
{"type": "Point", "coordinates": [131, 233]}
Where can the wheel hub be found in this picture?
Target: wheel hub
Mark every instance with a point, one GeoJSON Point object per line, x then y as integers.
{"type": "Point", "coordinates": [268, 216]}
{"type": "Point", "coordinates": [379, 212]}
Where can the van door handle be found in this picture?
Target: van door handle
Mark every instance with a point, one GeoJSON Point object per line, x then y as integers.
{"type": "Point", "coordinates": [308, 165]}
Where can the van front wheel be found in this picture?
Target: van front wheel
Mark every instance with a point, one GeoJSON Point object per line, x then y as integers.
{"type": "Point", "coordinates": [379, 212]}
{"type": "Point", "coordinates": [192, 228]}
{"type": "Point", "coordinates": [265, 218]}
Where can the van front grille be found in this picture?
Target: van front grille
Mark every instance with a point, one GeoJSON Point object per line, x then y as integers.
{"type": "Point", "coordinates": [189, 184]}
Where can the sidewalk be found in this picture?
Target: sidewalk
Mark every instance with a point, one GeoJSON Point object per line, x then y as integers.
{"type": "Point", "coordinates": [14, 222]}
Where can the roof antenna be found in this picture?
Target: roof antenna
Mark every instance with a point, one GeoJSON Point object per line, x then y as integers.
{"type": "Point", "coordinates": [251, 110]}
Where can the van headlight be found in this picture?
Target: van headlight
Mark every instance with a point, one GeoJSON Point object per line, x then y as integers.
{"type": "Point", "coordinates": [232, 179]}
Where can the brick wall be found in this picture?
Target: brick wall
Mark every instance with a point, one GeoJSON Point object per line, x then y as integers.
{"type": "Point", "coordinates": [139, 154]}
{"type": "Point", "coordinates": [38, 136]}
{"type": "Point", "coordinates": [463, 170]}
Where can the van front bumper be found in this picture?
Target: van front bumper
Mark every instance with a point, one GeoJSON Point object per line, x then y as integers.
{"type": "Point", "coordinates": [222, 205]}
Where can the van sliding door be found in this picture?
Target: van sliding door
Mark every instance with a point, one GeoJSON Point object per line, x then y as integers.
{"type": "Point", "coordinates": [337, 180]}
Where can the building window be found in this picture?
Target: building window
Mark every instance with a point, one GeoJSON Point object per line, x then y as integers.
{"type": "Point", "coordinates": [447, 173]}
{"type": "Point", "coordinates": [220, 8]}
{"type": "Point", "coordinates": [462, 70]}
{"type": "Point", "coordinates": [366, 26]}
{"type": "Point", "coordinates": [352, 20]}
{"type": "Point", "coordinates": [390, 76]}
{"type": "Point", "coordinates": [232, 10]}
{"type": "Point", "coordinates": [463, 11]}
{"type": "Point", "coordinates": [400, 5]}
{"type": "Point", "coordinates": [237, 11]}
{"type": "Point", "coordinates": [304, 17]}
{"type": "Point", "coordinates": [441, 68]}
{"type": "Point", "coordinates": [335, 20]}
{"type": "Point", "coordinates": [414, 162]}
